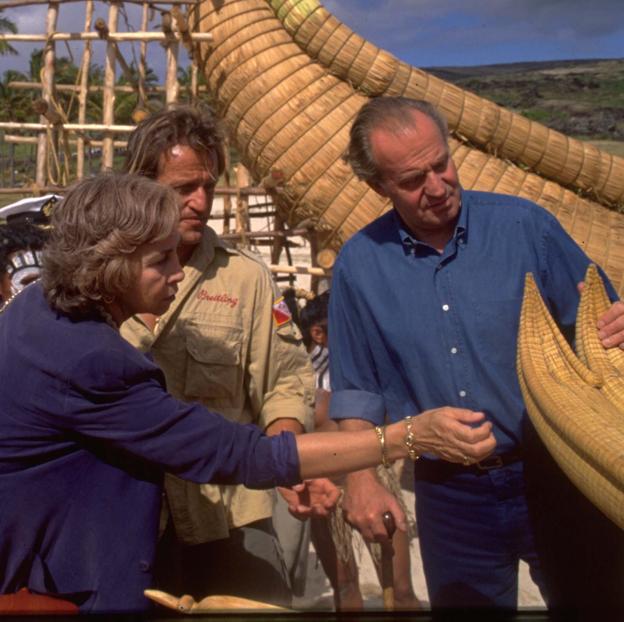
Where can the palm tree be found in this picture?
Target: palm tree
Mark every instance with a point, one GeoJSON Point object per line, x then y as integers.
{"type": "Point", "coordinates": [125, 103]}
{"type": "Point", "coordinates": [6, 25]}
{"type": "Point", "coordinates": [15, 104]}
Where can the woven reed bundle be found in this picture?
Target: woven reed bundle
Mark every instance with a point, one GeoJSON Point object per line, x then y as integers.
{"type": "Point", "coordinates": [570, 162]}
{"type": "Point", "coordinates": [581, 428]}
{"type": "Point", "coordinates": [286, 112]}
{"type": "Point", "coordinates": [211, 604]}
{"type": "Point", "coordinates": [608, 364]}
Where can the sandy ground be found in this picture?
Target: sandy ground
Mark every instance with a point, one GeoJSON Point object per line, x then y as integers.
{"type": "Point", "coordinates": [318, 593]}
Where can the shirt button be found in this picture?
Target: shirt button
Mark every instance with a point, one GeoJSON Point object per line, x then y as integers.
{"type": "Point", "coordinates": [453, 350]}
{"type": "Point", "coordinates": [445, 307]}
{"type": "Point", "coordinates": [462, 393]}
{"type": "Point", "coordinates": [144, 566]}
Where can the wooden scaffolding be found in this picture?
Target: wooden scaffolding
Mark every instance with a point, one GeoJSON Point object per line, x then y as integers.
{"type": "Point", "coordinates": [65, 140]}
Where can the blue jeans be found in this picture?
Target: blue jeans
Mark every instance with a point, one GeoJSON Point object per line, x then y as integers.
{"type": "Point", "coordinates": [473, 530]}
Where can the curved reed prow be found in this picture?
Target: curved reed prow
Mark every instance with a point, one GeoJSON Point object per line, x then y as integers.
{"type": "Point", "coordinates": [570, 408]}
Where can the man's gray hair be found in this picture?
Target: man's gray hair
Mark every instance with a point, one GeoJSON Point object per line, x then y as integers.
{"type": "Point", "coordinates": [391, 113]}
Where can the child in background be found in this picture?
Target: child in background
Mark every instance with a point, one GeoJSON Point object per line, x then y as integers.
{"type": "Point", "coordinates": [332, 537]}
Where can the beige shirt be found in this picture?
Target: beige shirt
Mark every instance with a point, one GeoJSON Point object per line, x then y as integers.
{"type": "Point", "coordinates": [220, 345]}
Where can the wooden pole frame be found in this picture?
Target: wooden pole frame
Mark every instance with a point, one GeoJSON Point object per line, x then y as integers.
{"type": "Point", "coordinates": [9, 4]}
{"type": "Point", "coordinates": [94, 88]}
{"type": "Point", "coordinates": [117, 37]}
{"type": "Point", "coordinates": [178, 27]}
{"type": "Point", "coordinates": [83, 91]}
{"type": "Point", "coordinates": [47, 84]}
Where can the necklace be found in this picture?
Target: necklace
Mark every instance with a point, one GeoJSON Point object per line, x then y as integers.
{"type": "Point", "coordinates": [6, 303]}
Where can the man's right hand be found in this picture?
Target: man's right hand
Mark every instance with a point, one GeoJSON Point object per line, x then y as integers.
{"type": "Point", "coordinates": [453, 434]}
{"type": "Point", "coordinates": [365, 499]}
{"type": "Point", "coordinates": [364, 503]}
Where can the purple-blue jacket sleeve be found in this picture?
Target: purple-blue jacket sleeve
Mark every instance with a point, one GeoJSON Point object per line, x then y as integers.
{"type": "Point", "coordinates": [114, 398]}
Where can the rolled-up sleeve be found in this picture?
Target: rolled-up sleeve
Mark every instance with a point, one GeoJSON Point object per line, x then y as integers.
{"type": "Point", "coordinates": [280, 380]}
{"type": "Point", "coordinates": [355, 388]}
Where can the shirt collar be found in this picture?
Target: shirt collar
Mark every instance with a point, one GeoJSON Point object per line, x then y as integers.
{"type": "Point", "coordinates": [204, 252]}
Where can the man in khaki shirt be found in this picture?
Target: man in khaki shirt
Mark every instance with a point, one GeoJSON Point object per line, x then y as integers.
{"type": "Point", "coordinates": [226, 343]}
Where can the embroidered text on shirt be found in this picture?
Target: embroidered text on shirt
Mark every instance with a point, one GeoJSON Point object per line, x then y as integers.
{"type": "Point", "coordinates": [202, 294]}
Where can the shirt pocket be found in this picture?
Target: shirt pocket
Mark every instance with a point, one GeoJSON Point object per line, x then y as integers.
{"type": "Point", "coordinates": [214, 367]}
{"type": "Point", "coordinates": [497, 329]}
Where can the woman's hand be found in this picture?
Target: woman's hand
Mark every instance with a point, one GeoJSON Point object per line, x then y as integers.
{"type": "Point", "coordinates": [453, 434]}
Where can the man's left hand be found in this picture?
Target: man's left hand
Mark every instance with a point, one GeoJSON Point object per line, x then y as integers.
{"type": "Point", "coordinates": [313, 498]}
{"type": "Point", "coordinates": [611, 326]}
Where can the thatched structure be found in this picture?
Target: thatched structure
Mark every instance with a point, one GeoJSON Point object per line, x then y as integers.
{"type": "Point", "coordinates": [289, 103]}
{"type": "Point", "coordinates": [288, 78]}
{"type": "Point", "coordinates": [572, 163]}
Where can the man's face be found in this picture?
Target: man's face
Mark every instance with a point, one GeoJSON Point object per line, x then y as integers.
{"type": "Point", "coordinates": [318, 333]}
{"type": "Point", "coordinates": [193, 175]}
{"type": "Point", "coordinates": [418, 175]}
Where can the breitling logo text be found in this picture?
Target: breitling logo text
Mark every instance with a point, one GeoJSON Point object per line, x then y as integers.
{"type": "Point", "coordinates": [222, 298]}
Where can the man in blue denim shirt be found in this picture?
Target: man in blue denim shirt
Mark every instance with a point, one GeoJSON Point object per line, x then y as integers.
{"type": "Point", "coordinates": [424, 314]}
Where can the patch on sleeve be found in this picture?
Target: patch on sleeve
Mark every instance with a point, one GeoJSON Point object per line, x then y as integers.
{"type": "Point", "coordinates": [281, 312]}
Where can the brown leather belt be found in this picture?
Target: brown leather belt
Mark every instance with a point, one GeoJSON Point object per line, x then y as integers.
{"type": "Point", "coordinates": [425, 468]}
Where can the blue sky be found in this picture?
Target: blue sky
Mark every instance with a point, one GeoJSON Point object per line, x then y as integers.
{"type": "Point", "coordinates": [428, 33]}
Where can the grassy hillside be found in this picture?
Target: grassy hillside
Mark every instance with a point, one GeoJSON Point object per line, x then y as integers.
{"type": "Point", "coordinates": [582, 98]}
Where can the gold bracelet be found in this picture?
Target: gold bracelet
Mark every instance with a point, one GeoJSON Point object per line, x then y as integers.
{"type": "Point", "coordinates": [410, 440]}
{"type": "Point", "coordinates": [381, 435]}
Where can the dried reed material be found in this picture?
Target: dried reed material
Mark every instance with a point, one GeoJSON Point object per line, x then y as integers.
{"type": "Point", "coordinates": [607, 363]}
{"type": "Point", "coordinates": [288, 113]}
{"type": "Point", "coordinates": [581, 428]}
{"type": "Point", "coordinates": [573, 163]}
{"type": "Point", "coordinates": [210, 604]}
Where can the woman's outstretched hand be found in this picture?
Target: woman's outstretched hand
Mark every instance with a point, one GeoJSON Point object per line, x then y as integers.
{"type": "Point", "coordinates": [453, 434]}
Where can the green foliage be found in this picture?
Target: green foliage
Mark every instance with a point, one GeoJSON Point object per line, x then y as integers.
{"type": "Point", "coordinates": [126, 103]}
{"type": "Point", "coordinates": [6, 25]}
{"type": "Point", "coordinates": [578, 98]}
{"type": "Point", "coordinates": [15, 104]}
{"type": "Point", "coordinates": [544, 115]}
{"type": "Point", "coordinates": [614, 92]}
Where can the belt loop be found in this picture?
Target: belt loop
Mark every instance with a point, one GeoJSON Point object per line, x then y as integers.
{"type": "Point", "coordinates": [495, 462]}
